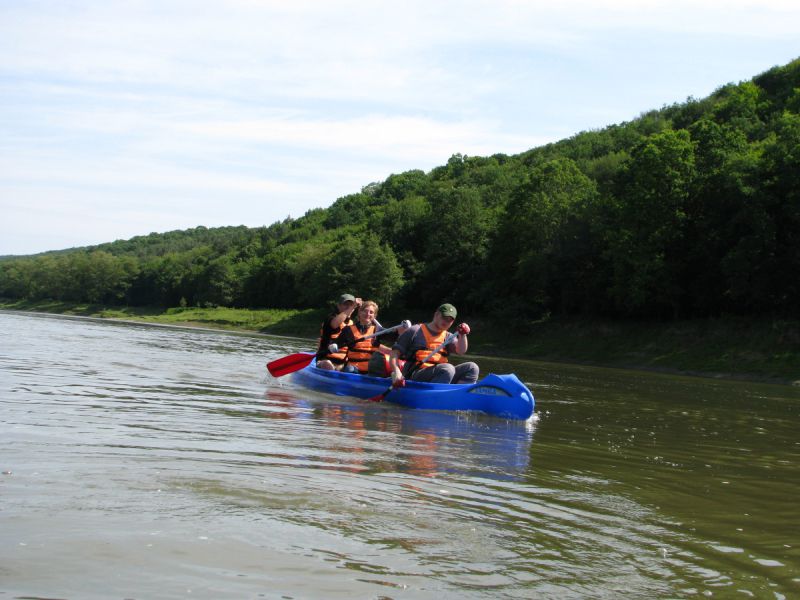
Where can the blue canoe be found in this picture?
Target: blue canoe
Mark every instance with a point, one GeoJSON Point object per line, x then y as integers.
{"type": "Point", "coordinates": [498, 395]}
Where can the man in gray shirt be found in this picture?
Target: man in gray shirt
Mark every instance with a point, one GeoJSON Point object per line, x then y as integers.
{"type": "Point", "coordinates": [425, 348]}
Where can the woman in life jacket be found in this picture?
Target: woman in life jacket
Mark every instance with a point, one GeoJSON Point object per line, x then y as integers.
{"type": "Point", "coordinates": [359, 353]}
{"type": "Point", "coordinates": [332, 328]}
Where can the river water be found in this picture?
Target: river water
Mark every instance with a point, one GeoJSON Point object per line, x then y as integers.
{"type": "Point", "coordinates": [151, 462]}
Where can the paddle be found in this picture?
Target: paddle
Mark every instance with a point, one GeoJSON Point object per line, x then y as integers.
{"type": "Point", "coordinates": [300, 360]}
{"type": "Point", "coordinates": [450, 339]}
{"type": "Point", "coordinates": [334, 348]}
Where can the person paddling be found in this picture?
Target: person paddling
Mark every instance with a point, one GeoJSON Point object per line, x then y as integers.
{"type": "Point", "coordinates": [359, 353]}
{"type": "Point", "coordinates": [332, 328]}
{"type": "Point", "coordinates": [416, 347]}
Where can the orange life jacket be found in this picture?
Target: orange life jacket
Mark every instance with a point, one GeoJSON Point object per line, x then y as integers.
{"type": "Point", "coordinates": [322, 352]}
{"type": "Point", "coordinates": [433, 342]}
{"type": "Point", "coordinates": [359, 353]}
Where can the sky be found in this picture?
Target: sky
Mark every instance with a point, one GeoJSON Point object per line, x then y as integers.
{"type": "Point", "coordinates": [122, 118]}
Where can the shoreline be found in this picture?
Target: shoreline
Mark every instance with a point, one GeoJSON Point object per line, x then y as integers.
{"type": "Point", "coordinates": [690, 348]}
{"type": "Point", "coordinates": [192, 325]}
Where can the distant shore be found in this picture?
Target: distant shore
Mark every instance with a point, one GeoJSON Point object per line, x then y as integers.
{"type": "Point", "coordinates": [762, 350]}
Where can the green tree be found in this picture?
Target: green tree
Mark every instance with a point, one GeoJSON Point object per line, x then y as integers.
{"type": "Point", "coordinates": [724, 191]}
{"type": "Point", "coordinates": [399, 187]}
{"type": "Point", "coordinates": [646, 233]}
{"type": "Point", "coordinates": [740, 106]}
{"type": "Point", "coordinates": [348, 210]}
{"type": "Point", "coordinates": [537, 239]}
{"type": "Point", "coordinates": [360, 263]}
{"type": "Point", "coordinates": [403, 223]}
{"type": "Point", "coordinates": [270, 281]}
{"type": "Point", "coordinates": [366, 265]}
{"type": "Point", "coordinates": [456, 242]}
{"type": "Point", "coordinates": [217, 284]}
{"type": "Point", "coordinates": [763, 264]}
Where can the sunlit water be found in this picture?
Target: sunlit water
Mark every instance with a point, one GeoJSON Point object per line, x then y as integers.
{"type": "Point", "coordinates": [153, 462]}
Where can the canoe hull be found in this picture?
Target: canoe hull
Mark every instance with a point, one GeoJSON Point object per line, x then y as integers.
{"type": "Point", "coordinates": [498, 395]}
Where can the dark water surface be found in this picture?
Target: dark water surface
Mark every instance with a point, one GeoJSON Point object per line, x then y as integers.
{"type": "Point", "coordinates": [152, 462]}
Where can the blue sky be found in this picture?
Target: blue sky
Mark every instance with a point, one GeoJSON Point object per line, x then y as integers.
{"type": "Point", "coordinates": [120, 118]}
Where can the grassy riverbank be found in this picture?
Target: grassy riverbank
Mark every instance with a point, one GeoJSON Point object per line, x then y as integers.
{"type": "Point", "coordinates": [297, 323]}
{"type": "Point", "coordinates": [755, 349]}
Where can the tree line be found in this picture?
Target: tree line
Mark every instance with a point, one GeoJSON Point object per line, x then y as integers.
{"type": "Point", "coordinates": [692, 210]}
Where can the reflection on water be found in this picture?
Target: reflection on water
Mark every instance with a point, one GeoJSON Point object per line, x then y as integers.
{"type": "Point", "coordinates": [424, 443]}
{"type": "Point", "coordinates": [145, 461]}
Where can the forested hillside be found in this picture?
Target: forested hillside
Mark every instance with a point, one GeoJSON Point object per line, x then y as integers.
{"type": "Point", "coordinates": [688, 211]}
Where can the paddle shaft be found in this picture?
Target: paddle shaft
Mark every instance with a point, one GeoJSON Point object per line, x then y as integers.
{"type": "Point", "coordinates": [450, 339]}
{"type": "Point", "coordinates": [372, 335]}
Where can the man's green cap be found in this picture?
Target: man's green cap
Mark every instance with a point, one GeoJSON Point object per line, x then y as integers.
{"type": "Point", "coordinates": [448, 310]}
{"type": "Point", "coordinates": [346, 298]}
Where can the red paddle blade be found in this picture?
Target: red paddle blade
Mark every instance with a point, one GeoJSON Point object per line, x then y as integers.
{"type": "Point", "coordinates": [289, 364]}
{"type": "Point", "coordinates": [379, 397]}
{"type": "Point", "coordinates": [382, 395]}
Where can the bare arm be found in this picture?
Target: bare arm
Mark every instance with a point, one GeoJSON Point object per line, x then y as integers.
{"type": "Point", "coordinates": [397, 374]}
{"type": "Point", "coordinates": [341, 317]}
{"type": "Point", "coordinates": [398, 350]}
{"type": "Point", "coordinates": [461, 345]}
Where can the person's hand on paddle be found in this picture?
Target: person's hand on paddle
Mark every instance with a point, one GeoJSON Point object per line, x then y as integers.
{"type": "Point", "coordinates": [404, 326]}
{"type": "Point", "coordinates": [463, 329]}
{"type": "Point", "coordinates": [398, 380]}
